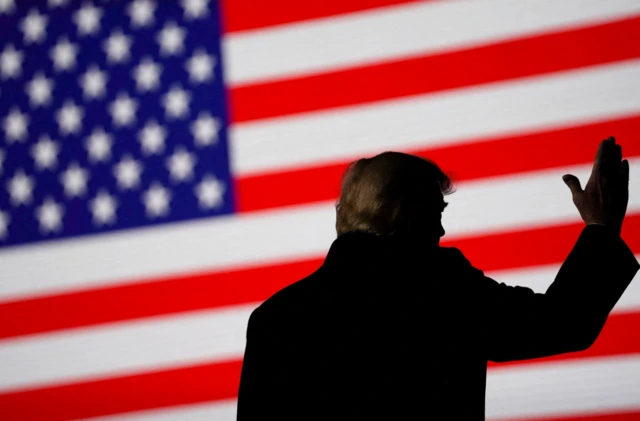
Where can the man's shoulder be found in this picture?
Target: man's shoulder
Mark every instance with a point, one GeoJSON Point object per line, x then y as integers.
{"type": "Point", "coordinates": [288, 297]}
{"type": "Point", "coordinates": [452, 254]}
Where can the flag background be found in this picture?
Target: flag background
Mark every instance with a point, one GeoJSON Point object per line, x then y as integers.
{"type": "Point", "coordinates": [143, 315]}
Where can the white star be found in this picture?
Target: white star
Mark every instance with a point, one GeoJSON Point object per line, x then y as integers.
{"type": "Point", "coordinates": [6, 6]}
{"type": "Point", "coordinates": [141, 12]}
{"type": "Point", "coordinates": [117, 47]}
{"type": "Point", "coordinates": [39, 90]}
{"type": "Point", "coordinates": [57, 3]}
{"type": "Point", "coordinates": [4, 223]}
{"type": "Point", "coordinates": [20, 188]}
{"type": "Point", "coordinates": [88, 19]}
{"type": "Point", "coordinates": [34, 26]}
{"type": "Point", "coordinates": [99, 145]}
{"type": "Point", "coordinates": [171, 39]}
{"type": "Point", "coordinates": [200, 66]}
{"type": "Point", "coordinates": [103, 208]}
{"type": "Point", "coordinates": [45, 153]}
{"type": "Point", "coordinates": [127, 172]}
{"type": "Point", "coordinates": [123, 110]}
{"type": "Point", "coordinates": [210, 191]}
{"type": "Point", "coordinates": [10, 62]}
{"type": "Point", "coordinates": [94, 82]}
{"type": "Point", "coordinates": [176, 102]}
{"type": "Point", "coordinates": [194, 9]}
{"type": "Point", "coordinates": [15, 126]}
{"type": "Point", "coordinates": [69, 118]}
{"type": "Point", "coordinates": [147, 75]}
{"type": "Point", "coordinates": [181, 164]}
{"type": "Point", "coordinates": [205, 129]}
{"type": "Point", "coordinates": [50, 215]}
{"type": "Point", "coordinates": [74, 179]}
{"type": "Point", "coordinates": [156, 200]}
{"type": "Point", "coordinates": [152, 138]}
{"type": "Point", "coordinates": [64, 54]}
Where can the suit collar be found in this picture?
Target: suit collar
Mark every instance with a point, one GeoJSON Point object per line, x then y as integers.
{"type": "Point", "coordinates": [356, 248]}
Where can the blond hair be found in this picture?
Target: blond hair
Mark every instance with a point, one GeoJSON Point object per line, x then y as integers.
{"type": "Point", "coordinates": [380, 194]}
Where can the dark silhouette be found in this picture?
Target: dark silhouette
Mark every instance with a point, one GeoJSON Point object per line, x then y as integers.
{"type": "Point", "coordinates": [393, 326]}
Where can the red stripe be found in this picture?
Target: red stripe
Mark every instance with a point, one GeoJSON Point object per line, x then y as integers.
{"type": "Point", "coordinates": [501, 61]}
{"type": "Point", "coordinates": [212, 290]}
{"type": "Point", "coordinates": [601, 416]}
{"type": "Point", "coordinates": [205, 383]}
{"type": "Point", "coordinates": [149, 298]}
{"type": "Point", "coordinates": [620, 335]}
{"type": "Point", "coordinates": [201, 383]}
{"type": "Point", "coordinates": [490, 157]}
{"type": "Point", "coordinates": [531, 247]}
{"type": "Point", "coordinates": [241, 15]}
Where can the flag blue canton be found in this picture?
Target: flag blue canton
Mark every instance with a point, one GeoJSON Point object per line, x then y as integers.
{"type": "Point", "coordinates": [113, 116]}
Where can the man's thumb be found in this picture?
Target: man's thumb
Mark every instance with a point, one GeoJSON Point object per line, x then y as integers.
{"type": "Point", "coordinates": [573, 183]}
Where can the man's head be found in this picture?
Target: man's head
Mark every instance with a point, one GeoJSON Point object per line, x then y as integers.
{"type": "Point", "coordinates": [393, 193]}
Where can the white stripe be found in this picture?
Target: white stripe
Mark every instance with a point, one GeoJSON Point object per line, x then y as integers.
{"type": "Point", "coordinates": [166, 341]}
{"type": "Point", "coordinates": [527, 200]}
{"type": "Point", "coordinates": [433, 120]}
{"type": "Point", "coordinates": [402, 31]}
{"type": "Point", "coordinates": [595, 385]}
{"type": "Point", "coordinates": [122, 348]}
{"type": "Point", "coordinates": [216, 411]}
{"type": "Point", "coordinates": [534, 199]}
{"type": "Point", "coordinates": [539, 278]}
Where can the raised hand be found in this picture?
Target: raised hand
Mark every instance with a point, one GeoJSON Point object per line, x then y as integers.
{"type": "Point", "coordinates": [605, 197]}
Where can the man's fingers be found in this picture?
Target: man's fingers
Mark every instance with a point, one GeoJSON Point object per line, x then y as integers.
{"type": "Point", "coordinates": [573, 183]}
{"type": "Point", "coordinates": [602, 156]}
{"type": "Point", "coordinates": [615, 160]}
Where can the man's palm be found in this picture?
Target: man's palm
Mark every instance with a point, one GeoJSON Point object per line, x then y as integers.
{"type": "Point", "coordinates": [605, 197]}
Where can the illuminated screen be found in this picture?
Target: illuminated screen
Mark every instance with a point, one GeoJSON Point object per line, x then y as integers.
{"type": "Point", "coordinates": [166, 166]}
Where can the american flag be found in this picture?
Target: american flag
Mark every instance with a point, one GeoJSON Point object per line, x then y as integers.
{"type": "Point", "coordinates": [168, 165]}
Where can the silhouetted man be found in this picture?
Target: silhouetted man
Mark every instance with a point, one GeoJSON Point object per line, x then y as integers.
{"type": "Point", "coordinates": [392, 326]}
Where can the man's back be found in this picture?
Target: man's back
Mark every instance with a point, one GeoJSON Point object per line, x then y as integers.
{"type": "Point", "coordinates": [364, 331]}
{"type": "Point", "coordinates": [386, 328]}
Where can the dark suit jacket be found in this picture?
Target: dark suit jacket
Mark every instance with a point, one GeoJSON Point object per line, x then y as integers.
{"type": "Point", "coordinates": [387, 329]}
